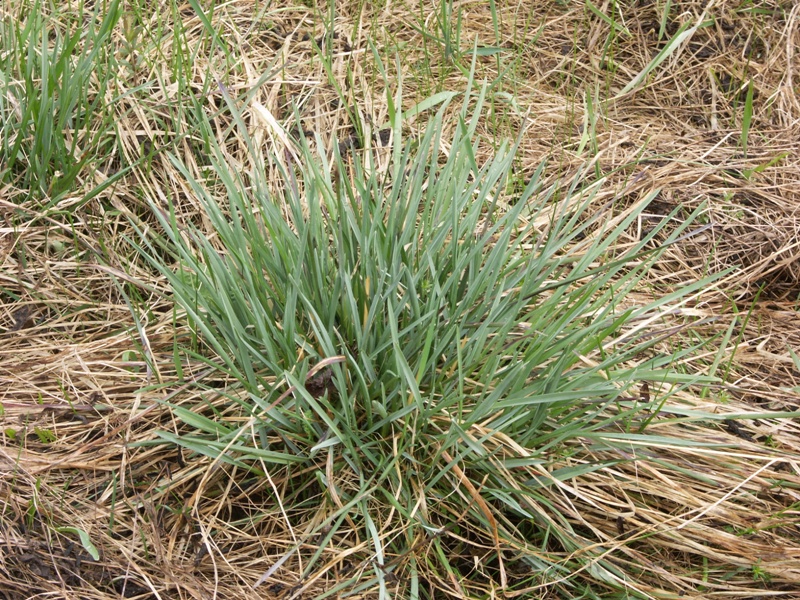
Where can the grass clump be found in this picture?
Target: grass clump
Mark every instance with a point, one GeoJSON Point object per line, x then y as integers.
{"type": "Point", "coordinates": [384, 471]}
{"type": "Point", "coordinates": [55, 73]}
{"type": "Point", "coordinates": [418, 353]}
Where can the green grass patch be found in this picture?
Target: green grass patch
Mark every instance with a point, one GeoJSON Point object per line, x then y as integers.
{"type": "Point", "coordinates": [55, 70]}
{"type": "Point", "coordinates": [443, 345]}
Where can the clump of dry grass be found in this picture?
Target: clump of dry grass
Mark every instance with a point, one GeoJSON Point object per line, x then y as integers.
{"type": "Point", "coordinates": [85, 378]}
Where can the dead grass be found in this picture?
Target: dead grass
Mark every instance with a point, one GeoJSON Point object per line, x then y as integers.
{"type": "Point", "coordinates": [83, 382]}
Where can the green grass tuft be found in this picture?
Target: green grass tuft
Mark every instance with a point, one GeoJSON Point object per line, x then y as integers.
{"type": "Point", "coordinates": [55, 72]}
{"type": "Point", "coordinates": [442, 345]}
